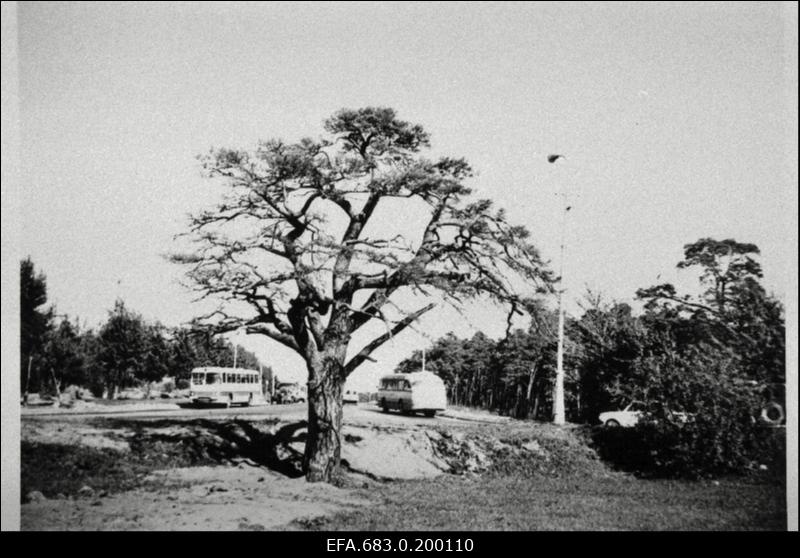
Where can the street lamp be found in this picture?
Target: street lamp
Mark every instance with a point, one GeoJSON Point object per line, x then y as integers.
{"type": "Point", "coordinates": [558, 395]}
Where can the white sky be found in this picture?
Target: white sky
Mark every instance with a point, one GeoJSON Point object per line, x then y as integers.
{"type": "Point", "coordinates": [678, 121]}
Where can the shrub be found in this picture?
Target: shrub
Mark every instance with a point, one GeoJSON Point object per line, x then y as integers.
{"type": "Point", "coordinates": [692, 450]}
{"type": "Point", "coordinates": [701, 422]}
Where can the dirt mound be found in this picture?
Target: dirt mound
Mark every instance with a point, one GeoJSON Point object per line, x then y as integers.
{"type": "Point", "coordinates": [387, 453]}
{"type": "Point", "coordinates": [529, 449]}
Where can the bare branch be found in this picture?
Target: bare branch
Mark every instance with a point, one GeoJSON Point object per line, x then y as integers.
{"type": "Point", "coordinates": [364, 353]}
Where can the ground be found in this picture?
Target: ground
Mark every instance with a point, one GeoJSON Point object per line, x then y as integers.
{"type": "Point", "coordinates": [158, 466]}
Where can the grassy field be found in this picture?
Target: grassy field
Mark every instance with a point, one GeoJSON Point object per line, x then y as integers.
{"type": "Point", "coordinates": [618, 502]}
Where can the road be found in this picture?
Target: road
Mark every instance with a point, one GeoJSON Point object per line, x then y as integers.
{"type": "Point", "coordinates": [150, 411]}
{"type": "Point", "coordinates": [364, 413]}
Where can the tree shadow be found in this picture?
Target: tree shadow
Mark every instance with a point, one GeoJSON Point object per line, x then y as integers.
{"type": "Point", "coordinates": [205, 441]}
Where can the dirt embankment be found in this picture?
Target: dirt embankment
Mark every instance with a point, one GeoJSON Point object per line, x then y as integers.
{"type": "Point", "coordinates": [245, 474]}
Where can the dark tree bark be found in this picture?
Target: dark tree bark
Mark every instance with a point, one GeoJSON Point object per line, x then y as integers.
{"type": "Point", "coordinates": [323, 445]}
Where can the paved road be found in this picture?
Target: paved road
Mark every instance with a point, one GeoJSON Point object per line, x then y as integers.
{"type": "Point", "coordinates": [366, 413]}
{"type": "Point", "coordinates": [148, 411]}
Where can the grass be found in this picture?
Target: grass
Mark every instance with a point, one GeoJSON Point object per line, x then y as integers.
{"type": "Point", "coordinates": [55, 469]}
{"type": "Point", "coordinates": [514, 502]}
{"type": "Point", "coordinates": [569, 490]}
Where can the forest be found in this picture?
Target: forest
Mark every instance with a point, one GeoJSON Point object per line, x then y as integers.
{"type": "Point", "coordinates": [125, 351]}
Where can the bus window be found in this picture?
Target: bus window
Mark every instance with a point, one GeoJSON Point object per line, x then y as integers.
{"type": "Point", "coordinates": [212, 378]}
{"type": "Point", "coordinates": [197, 378]}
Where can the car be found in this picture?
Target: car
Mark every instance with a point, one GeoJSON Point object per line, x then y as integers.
{"type": "Point", "coordinates": [290, 393]}
{"type": "Point", "coordinates": [350, 396]}
{"type": "Point", "coordinates": [629, 416]}
{"type": "Point", "coordinates": [633, 413]}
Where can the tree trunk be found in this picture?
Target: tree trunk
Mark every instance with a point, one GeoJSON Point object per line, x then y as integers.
{"type": "Point", "coordinates": [531, 377]}
{"type": "Point", "coordinates": [27, 381]}
{"type": "Point", "coordinates": [324, 443]}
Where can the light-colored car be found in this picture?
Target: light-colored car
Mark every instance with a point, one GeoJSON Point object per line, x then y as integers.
{"type": "Point", "coordinates": [629, 416]}
{"type": "Point", "coordinates": [633, 413]}
{"type": "Point", "coordinates": [350, 396]}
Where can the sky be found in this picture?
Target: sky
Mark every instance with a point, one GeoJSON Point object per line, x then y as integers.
{"type": "Point", "coordinates": [676, 121]}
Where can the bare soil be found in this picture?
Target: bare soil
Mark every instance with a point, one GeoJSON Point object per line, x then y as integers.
{"type": "Point", "coordinates": [218, 472]}
{"type": "Point", "coordinates": [242, 472]}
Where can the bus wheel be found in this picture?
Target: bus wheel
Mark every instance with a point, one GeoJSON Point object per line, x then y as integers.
{"type": "Point", "coordinates": [430, 414]}
{"type": "Point", "coordinates": [384, 406]}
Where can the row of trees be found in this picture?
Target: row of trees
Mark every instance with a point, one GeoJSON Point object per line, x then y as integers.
{"type": "Point", "coordinates": [717, 356]}
{"type": "Point", "coordinates": [124, 351]}
{"type": "Point", "coordinates": [613, 355]}
{"type": "Point", "coordinates": [513, 376]}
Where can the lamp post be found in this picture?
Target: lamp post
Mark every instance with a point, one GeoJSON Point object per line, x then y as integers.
{"type": "Point", "coordinates": [558, 392]}
{"type": "Point", "coordinates": [558, 396]}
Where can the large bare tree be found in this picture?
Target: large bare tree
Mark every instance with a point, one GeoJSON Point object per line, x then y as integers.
{"type": "Point", "coordinates": [296, 250]}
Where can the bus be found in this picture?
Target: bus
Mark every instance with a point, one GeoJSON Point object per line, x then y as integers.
{"type": "Point", "coordinates": [228, 386]}
{"type": "Point", "coordinates": [411, 393]}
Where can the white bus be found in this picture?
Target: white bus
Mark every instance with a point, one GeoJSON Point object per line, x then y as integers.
{"type": "Point", "coordinates": [410, 393]}
{"type": "Point", "coordinates": [212, 384]}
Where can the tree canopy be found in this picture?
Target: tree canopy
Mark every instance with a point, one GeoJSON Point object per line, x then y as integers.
{"type": "Point", "coordinates": [272, 245]}
{"type": "Point", "coordinates": [734, 312]}
{"type": "Point", "coordinates": [295, 251]}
